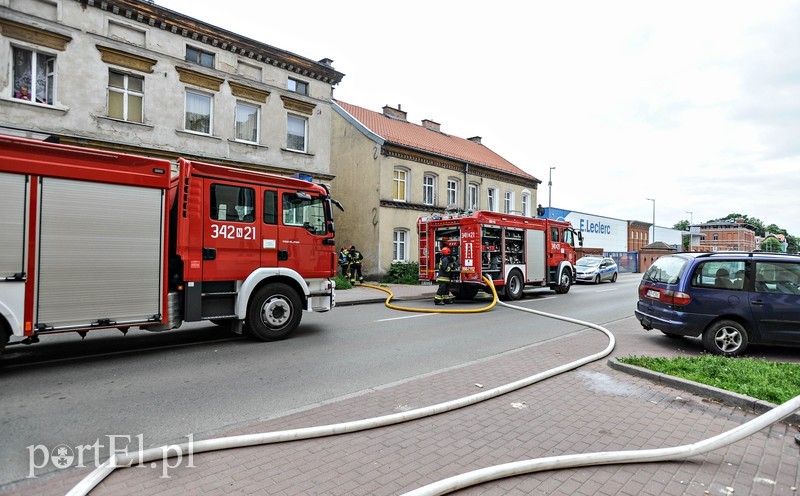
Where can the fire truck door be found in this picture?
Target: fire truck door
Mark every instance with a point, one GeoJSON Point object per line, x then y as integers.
{"type": "Point", "coordinates": [269, 230]}
{"type": "Point", "coordinates": [231, 231]}
{"type": "Point", "coordinates": [303, 235]}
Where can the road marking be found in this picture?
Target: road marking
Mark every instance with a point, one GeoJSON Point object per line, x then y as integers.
{"type": "Point", "coordinates": [605, 290]}
{"type": "Point", "coordinates": [536, 300]}
{"type": "Point", "coordinates": [407, 317]}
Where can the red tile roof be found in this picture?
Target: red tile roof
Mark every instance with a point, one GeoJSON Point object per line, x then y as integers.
{"type": "Point", "coordinates": [400, 132]}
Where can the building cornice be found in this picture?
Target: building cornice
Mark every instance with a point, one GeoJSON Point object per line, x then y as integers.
{"type": "Point", "coordinates": [31, 34]}
{"type": "Point", "coordinates": [189, 76]}
{"type": "Point", "coordinates": [296, 105]}
{"type": "Point", "coordinates": [125, 59]}
{"type": "Point", "coordinates": [207, 34]}
{"type": "Point", "coordinates": [427, 158]}
{"type": "Point", "coordinates": [242, 91]}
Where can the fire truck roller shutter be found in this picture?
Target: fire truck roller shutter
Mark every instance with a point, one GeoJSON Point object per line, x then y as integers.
{"type": "Point", "coordinates": [100, 253]}
{"type": "Point", "coordinates": [12, 253]}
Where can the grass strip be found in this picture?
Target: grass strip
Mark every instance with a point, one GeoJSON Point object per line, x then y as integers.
{"type": "Point", "coordinates": [775, 382]}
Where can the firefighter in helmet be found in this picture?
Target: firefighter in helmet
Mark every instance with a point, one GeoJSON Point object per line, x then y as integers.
{"type": "Point", "coordinates": [355, 257]}
{"type": "Point", "coordinates": [344, 262]}
{"type": "Point", "coordinates": [447, 267]}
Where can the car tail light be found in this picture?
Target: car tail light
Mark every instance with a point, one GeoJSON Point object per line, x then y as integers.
{"type": "Point", "coordinates": [668, 296]}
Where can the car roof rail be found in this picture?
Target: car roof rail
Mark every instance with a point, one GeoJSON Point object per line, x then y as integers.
{"type": "Point", "coordinates": [743, 252]}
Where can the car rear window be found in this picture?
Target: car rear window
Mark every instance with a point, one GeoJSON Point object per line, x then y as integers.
{"type": "Point", "coordinates": [666, 270]}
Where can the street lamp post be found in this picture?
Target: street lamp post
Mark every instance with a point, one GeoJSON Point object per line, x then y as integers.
{"type": "Point", "coordinates": [690, 218]}
{"type": "Point", "coordinates": [550, 193]}
{"type": "Point", "coordinates": [653, 239]}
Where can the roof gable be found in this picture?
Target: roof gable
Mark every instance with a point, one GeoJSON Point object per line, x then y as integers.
{"type": "Point", "coordinates": [397, 131]}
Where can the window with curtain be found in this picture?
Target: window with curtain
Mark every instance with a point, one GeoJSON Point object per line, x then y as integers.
{"type": "Point", "coordinates": [491, 199]}
{"type": "Point", "coordinates": [34, 75]}
{"type": "Point", "coordinates": [400, 184]}
{"type": "Point", "coordinates": [429, 189]}
{"type": "Point", "coordinates": [247, 120]}
{"type": "Point", "coordinates": [296, 133]}
{"type": "Point", "coordinates": [508, 202]}
{"type": "Point", "coordinates": [526, 204]}
{"type": "Point", "coordinates": [400, 245]}
{"type": "Point", "coordinates": [452, 192]}
{"type": "Point", "coordinates": [473, 197]}
{"type": "Point", "coordinates": [125, 96]}
{"type": "Point", "coordinates": [198, 112]}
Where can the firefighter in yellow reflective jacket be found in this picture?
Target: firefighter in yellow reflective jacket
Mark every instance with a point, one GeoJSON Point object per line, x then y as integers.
{"type": "Point", "coordinates": [355, 258]}
{"type": "Point", "coordinates": [448, 266]}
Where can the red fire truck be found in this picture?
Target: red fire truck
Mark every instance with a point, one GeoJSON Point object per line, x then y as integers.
{"type": "Point", "coordinates": [512, 251]}
{"type": "Point", "coordinates": [97, 240]}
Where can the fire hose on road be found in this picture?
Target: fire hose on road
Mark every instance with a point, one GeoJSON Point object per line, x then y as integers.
{"type": "Point", "coordinates": [470, 478]}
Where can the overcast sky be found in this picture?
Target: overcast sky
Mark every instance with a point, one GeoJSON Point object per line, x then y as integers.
{"type": "Point", "coordinates": [693, 104]}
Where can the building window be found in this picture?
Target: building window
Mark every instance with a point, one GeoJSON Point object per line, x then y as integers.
{"type": "Point", "coordinates": [452, 192]}
{"type": "Point", "coordinates": [526, 204]}
{"type": "Point", "coordinates": [400, 184]}
{"type": "Point", "coordinates": [296, 130]}
{"type": "Point", "coordinates": [299, 87]}
{"type": "Point", "coordinates": [125, 96]}
{"type": "Point", "coordinates": [473, 197]}
{"type": "Point", "coordinates": [34, 76]}
{"type": "Point", "coordinates": [400, 245]}
{"type": "Point", "coordinates": [198, 112]}
{"type": "Point", "coordinates": [429, 189]}
{"type": "Point", "coordinates": [247, 122]}
{"type": "Point", "coordinates": [716, 237]}
{"type": "Point", "coordinates": [508, 202]}
{"type": "Point", "coordinates": [491, 199]}
{"type": "Point", "coordinates": [199, 56]}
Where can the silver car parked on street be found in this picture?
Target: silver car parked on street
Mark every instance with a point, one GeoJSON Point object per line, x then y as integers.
{"type": "Point", "coordinates": [596, 269]}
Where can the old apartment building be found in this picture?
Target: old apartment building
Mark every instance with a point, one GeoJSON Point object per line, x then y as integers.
{"type": "Point", "coordinates": [131, 76]}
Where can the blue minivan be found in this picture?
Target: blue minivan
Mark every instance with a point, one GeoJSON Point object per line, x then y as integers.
{"type": "Point", "coordinates": [731, 299]}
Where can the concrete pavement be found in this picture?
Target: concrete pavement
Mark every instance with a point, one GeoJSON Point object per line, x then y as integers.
{"type": "Point", "coordinates": [594, 408]}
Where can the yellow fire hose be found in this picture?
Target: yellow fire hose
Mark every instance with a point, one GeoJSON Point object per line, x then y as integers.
{"type": "Point", "coordinates": [435, 310]}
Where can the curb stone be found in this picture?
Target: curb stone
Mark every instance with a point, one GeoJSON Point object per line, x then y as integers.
{"type": "Point", "coordinates": [746, 403]}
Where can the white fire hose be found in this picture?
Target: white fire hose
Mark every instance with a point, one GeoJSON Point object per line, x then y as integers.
{"type": "Point", "coordinates": [470, 478]}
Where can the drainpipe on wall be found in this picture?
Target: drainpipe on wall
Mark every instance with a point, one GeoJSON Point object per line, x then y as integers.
{"type": "Point", "coordinates": [466, 185]}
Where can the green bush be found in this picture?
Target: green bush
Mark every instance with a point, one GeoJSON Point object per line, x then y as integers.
{"type": "Point", "coordinates": [402, 273]}
{"type": "Point", "coordinates": [342, 282]}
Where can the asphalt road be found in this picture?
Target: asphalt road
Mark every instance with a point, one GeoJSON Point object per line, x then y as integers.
{"type": "Point", "coordinates": [159, 388]}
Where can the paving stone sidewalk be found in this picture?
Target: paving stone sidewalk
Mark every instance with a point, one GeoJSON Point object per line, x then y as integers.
{"type": "Point", "coordinates": [592, 409]}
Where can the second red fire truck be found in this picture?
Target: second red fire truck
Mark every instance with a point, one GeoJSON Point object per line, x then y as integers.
{"type": "Point", "coordinates": [512, 251]}
{"type": "Point", "coordinates": [96, 240]}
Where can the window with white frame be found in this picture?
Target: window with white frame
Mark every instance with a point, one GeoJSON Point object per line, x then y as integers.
{"type": "Point", "coordinates": [508, 202]}
{"type": "Point", "coordinates": [34, 75]}
{"type": "Point", "coordinates": [491, 199]}
{"type": "Point", "coordinates": [400, 245]}
{"type": "Point", "coordinates": [247, 119]}
{"type": "Point", "coordinates": [296, 131]}
{"type": "Point", "coordinates": [198, 112]}
{"type": "Point", "coordinates": [429, 189]}
{"type": "Point", "coordinates": [400, 184]}
{"type": "Point", "coordinates": [452, 192]}
{"type": "Point", "coordinates": [526, 203]}
{"type": "Point", "coordinates": [297, 86]}
{"type": "Point", "coordinates": [125, 96]}
{"type": "Point", "coordinates": [473, 196]}
{"type": "Point", "coordinates": [198, 56]}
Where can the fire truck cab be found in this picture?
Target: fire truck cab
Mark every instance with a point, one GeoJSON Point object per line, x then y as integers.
{"type": "Point", "coordinates": [512, 251]}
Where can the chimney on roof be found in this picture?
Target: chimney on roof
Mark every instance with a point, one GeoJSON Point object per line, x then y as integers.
{"type": "Point", "coordinates": [396, 113]}
{"type": "Point", "coordinates": [326, 62]}
{"type": "Point", "coordinates": [740, 220]}
{"type": "Point", "coordinates": [475, 139]}
{"type": "Point", "coordinates": [429, 124]}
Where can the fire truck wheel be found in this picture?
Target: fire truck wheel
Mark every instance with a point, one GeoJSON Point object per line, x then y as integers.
{"type": "Point", "coordinates": [5, 334]}
{"type": "Point", "coordinates": [274, 312]}
{"type": "Point", "coordinates": [565, 282]}
{"type": "Point", "coordinates": [514, 286]}
{"type": "Point", "coordinates": [465, 292]}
